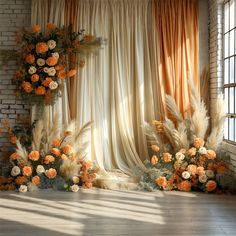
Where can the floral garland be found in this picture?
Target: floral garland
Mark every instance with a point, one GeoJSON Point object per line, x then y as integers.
{"type": "Point", "coordinates": [43, 60]}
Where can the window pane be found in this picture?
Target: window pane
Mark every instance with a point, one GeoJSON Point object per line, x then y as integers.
{"type": "Point", "coordinates": [226, 41]}
{"type": "Point", "coordinates": [231, 15]}
{"type": "Point", "coordinates": [226, 129]}
{"type": "Point", "coordinates": [226, 72]}
{"type": "Point", "coordinates": [231, 70]}
{"type": "Point", "coordinates": [231, 100]}
{"type": "Point", "coordinates": [226, 23]}
{"type": "Point", "coordinates": [226, 100]}
{"type": "Point", "coordinates": [235, 100]}
{"type": "Point", "coordinates": [231, 129]}
{"type": "Point", "coordinates": [231, 43]}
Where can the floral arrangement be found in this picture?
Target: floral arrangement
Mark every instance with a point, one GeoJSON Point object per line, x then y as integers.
{"type": "Point", "coordinates": [45, 60]}
{"type": "Point", "coordinates": [54, 159]}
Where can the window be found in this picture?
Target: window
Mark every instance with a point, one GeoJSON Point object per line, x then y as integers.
{"type": "Point", "coordinates": [229, 39]}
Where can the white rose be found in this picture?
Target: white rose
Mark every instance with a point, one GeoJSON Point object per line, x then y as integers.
{"type": "Point", "coordinates": [23, 189]}
{"type": "Point", "coordinates": [51, 71]}
{"type": "Point", "coordinates": [55, 54]}
{"type": "Point", "coordinates": [53, 85]}
{"type": "Point", "coordinates": [45, 69]}
{"type": "Point", "coordinates": [179, 156]}
{"type": "Point", "coordinates": [210, 173]}
{"type": "Point", "coordinates": [75, 179]}
{"type": "Point", "coordinates": [41, 62]}
{"type": "Point", "coordinates": [32, 70]}
{"type": "Point", "coordinates": [40, 169]}
{"type": "Point", "coordinates": [202, 150]}
{"type": "Point", "coordinates": [74, 188]}
{"type": "Point", "coordinates": [202, 179]}
{"type": "Point", "coordinates": [51, 44]}
{"type": "Point", "coordinates": [186, 175]}
{"type": "Point", "coordinates": [15, 171]}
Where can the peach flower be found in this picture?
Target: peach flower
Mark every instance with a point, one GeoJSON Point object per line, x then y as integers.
{"type": "Point", "coordinates": [36, 28]}
{"type": "Point", "coordinates": [41, 47]}
{"type": "Point", "coordinates": [49, 159]}
{"type": "Point", "coordinates": [59, 67]}
{"type": "Point", "coordinates": [21, 180]}
{"type": "Point", "coordinates": [221, 169]}
{"type": "Point", "coordinates": [27, 86]}
{"type": "Point", "coordinates": [200, 170]}
{"type": "Point", "coordinates": [35, 78]}
{"type": "Point", "coordinates": [61, 74]}
{"type": "Point", "coordinates": [27, 171]}
{"type": "Point", "coordinates": [51, 26]}
{"type": "Point", "coordinates": [167, 157]}
{"type": "Point", "coordinates": [30, 59]}
{"type": "Point", "coordinates": [36, 180]}
{"type": "Point", "coordinates": [68, 149]}
{"type": "Point", "coordinates": [51, 173]}
{"type": "Point", "coordinates": [198, 142]}
{"type": "Point", "coordinates": [47, 81]}
{"type": "Point", "coordinates": [191, 152]}
{"type": "Point", "coordinates": [34, 155]}
{"type": "Point", "coordinates": [71, 73]}
{"type": "Point", "coordinates": [211, 185]}
{"type": "Point", "coordinates": [87, 185]}
{"type": "Point", "coordinates": [56, 142]}
{"type": "Point", "coordinates": [161, 181]}
{"type": "Point", "coordinates": [86, 165]}
{"type": "Point", "coordinates": [56, 152]}
{"type": "Point", "coordinates": [14, 156]}
{"type": "Point", "coordinates": [155, 148]}
{"type": "Point", "coordinates": [51, 61]}
{"type": "Point", "coordinates": [64, 157]}
{"type": "Point", "coordinates": [40, 90]}
{"type": "Point", "coordinates": [154, 160]}
{"type": "Point", "coordinates": [211, 155]}
{"type": "Point", "coordinates": [192, 169]}
{"type": "Point", "coordinates": [184, 186]}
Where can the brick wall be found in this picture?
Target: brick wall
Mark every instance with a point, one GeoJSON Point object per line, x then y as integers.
{"type": "Point", "coordinates": [13, 15]}
{"type": "Point", "coordinates": [216, 61]}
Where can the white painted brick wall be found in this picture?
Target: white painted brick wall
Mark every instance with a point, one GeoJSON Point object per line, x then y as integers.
{"type": "Point", "coordinates": [14, 14]}
{"type": "Point", "coordinates": [216, 61]}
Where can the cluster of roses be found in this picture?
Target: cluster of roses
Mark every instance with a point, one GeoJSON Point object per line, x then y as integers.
{"type": "Point", "coordinates": [195, 168]}
{"type": "Point", "coordinates": [44, 64]}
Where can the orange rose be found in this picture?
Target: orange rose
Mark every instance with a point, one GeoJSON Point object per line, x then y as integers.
{"type": "Point", "coordinates": [56, 142]}
{"type": "Point", "coordinates": [49, 159]}
{"type": "Point", "coordinates": [41, 47]}
{"type": "Point", "coordinates": [13, 139]}
{"type": "Point", "coordinates": [36, 28]}
{"type": "Point", "coordinates": [155, 148]}
{"type": "Point", "coordinates": [86, 165]}
{"type": "Point", "coordinates": [61, 74]}
{"type": "Point", "coordinates": [211, 155]}
{"type": "Point", "coordinates": [154, 160]}
{"type": "Point", "coordinates": [191, 152]}
{"type": "Point", "coordinates": [59, 67]}
{"type": "Point", "coordinates": [27, 87]}
{"type": "Point", "coordinates": [51, 173]}
{"type": "Point", "coordinates": [27, 171]}
{"type": "Point", "coordinates": [71, 73]}
{"type": "Point", "coordinates": [51, 61]}
{"type": "Point", "coordinates": [68, 149]}
{"type": "Point", "coordinates": [21, 180]}
{"type": "Point", "coordinates": [40, 90]}
{"type": "Point", "coordinates": [35, 78]}
{"type": "Point", "coordinates": [182, 150]}
{"type": "Point", "coordinates": [47, 81]}
{"type": "Point", "coordinates": [34, 155]}
{"type": "Point", "coordinates": [184, 186]}
{"type": "Point", "coordinates": [30, 59]}
{"type": "Point", "coordinates": [211, 185]}
{"type": "Point", "coordinates": [198, 142]}
{"type": "Point", "coordinates": [87, 185]}
{"type": "Point", "coordinates": [167, 157]}
{"type": "Point", "coordinates": [14, 156]}
{"type": "Point", "coordinates": [36, 180]}
{"type": "Point", "coordinates": [200, 170]}
{"type": "Point", "coordinates": [210, 166]}
{"type": "Point", "coordinates": [64, 157]}
{"type": "Point", "coordinates": [51, 26]}
{"type": "Point", "coordinates": [221, 169]}
{"type": "Point", "coordinates": [192, 169]}
{"type": "Point", "coordinates": [56, 152]}
{"type": "Point", "coordinates": [161, 181]}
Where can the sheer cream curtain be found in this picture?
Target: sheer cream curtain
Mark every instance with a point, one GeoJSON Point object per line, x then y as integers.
{"type": "Point", "coordinates": [118, 88]}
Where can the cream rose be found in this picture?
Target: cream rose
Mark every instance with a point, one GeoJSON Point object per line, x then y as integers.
{"type": "Point", "coordinates": [51, 71]}
{"type": "Point", "coordinates": [23, 189]}
{"type": "Point", "coordinates": [202, 150]}
{"type": "Point", "coordinates": [40, 169]}
{"type": "Point", "coordinates": [15, 171]}
{"type": "Point", "coordinates": [56, 55]}
{"type": "Point", "coordinates": [210, 174]}
{"type": "Point", "coordinates": [41, 62]}
{"type": "Point", "coordinates": [32, 70]}
{"type": "Point", "coordinates": [75, 179]}
{"type": "Point", "coordinates": [74, 188]}
{"type": "Point", "coordinates": [53, 85]}
{"type": "Point", "coordinates": [186, 175]}
{"type": "Point", "coordinates": [51, 44]}
{"type": "Point", "coordinates": [179, 156]}
{"type": "Point", "coordinates": [45, 69]}
{"type": "Point", "coordinates": [202, 179]}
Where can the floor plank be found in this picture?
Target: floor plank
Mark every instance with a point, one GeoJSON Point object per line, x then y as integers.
{"type": "Point", "coordinates": [106, 212]}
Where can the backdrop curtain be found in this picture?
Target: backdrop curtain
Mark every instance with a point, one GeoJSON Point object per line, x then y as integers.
{"type": "Point", "coordinates": [124, 84]}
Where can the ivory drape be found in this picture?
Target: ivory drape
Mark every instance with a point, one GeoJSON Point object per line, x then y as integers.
{"type": "Point", "coordinates": [125, 83]}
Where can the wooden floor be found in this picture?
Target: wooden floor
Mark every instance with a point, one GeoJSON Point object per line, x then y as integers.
{"type": "Point", "coordinates": [105, 212]}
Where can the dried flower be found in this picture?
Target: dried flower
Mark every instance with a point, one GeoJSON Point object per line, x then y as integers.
{"type": "Point", "coordinates": [198, 142]}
